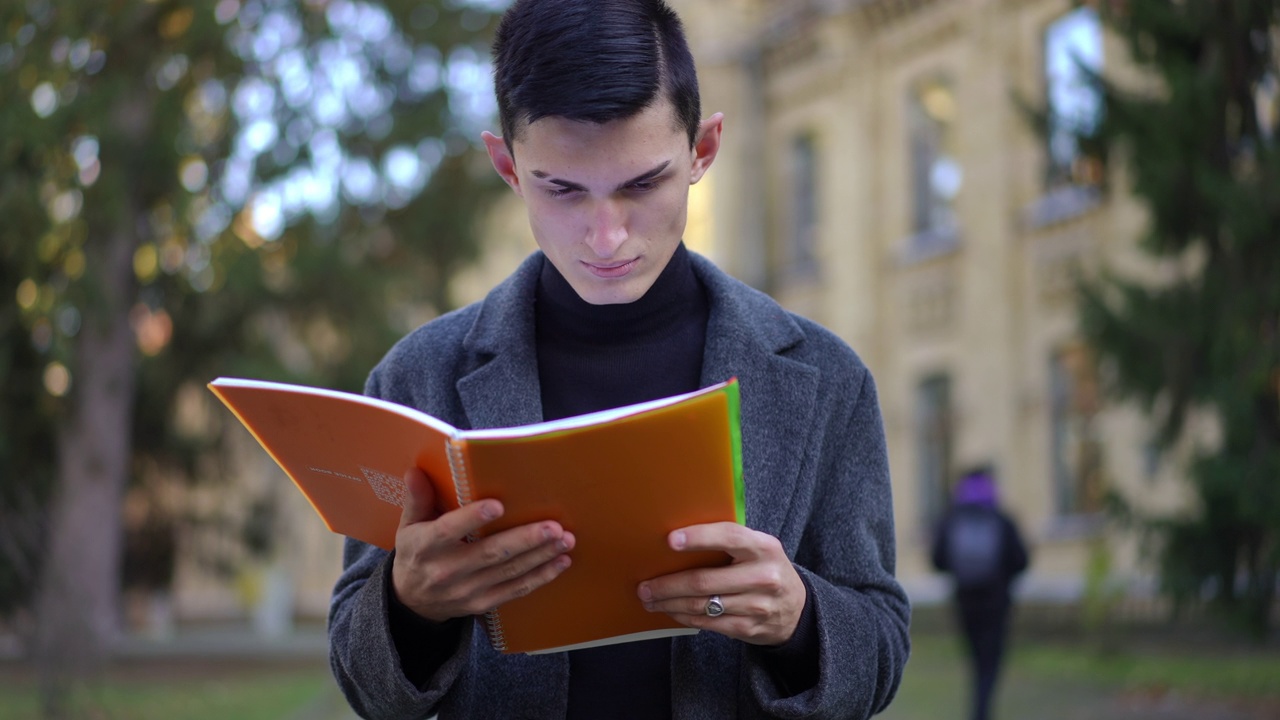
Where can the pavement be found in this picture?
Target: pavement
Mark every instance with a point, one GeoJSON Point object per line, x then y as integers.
{"type": "Point", "coordinates": [228, 641]}
{"type": "Point", "coordinates": [211, 641]}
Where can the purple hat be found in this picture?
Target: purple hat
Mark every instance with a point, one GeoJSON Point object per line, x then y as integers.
{"type": "Point", "coordinates": [976, 488]}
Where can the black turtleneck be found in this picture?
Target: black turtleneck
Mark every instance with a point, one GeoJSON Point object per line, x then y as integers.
{"type": "Point", "coordinates": [593, 357]}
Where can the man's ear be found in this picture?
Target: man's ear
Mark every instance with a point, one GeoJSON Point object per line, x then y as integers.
{"type": "Point", "coordinates": [502, 160]}
{"type": "Point", "coordinates": [705, 146]}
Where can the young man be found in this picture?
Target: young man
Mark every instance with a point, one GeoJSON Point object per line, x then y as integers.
{"type": "Point", "coordinates": [602, 138]}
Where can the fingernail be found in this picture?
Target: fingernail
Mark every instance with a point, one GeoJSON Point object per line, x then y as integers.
{"type": "Point", "coordinates": [562, 546]}
{"type": "Point", "coordinates": [546, 532]}
{"type": "Point", "coordinates": [678, 540]}
{"type": "Point", "coordinates": [649, 606]}
{"type": "Point", "coordinates": [488, 511]}
{"type": "Point", "coordinates": [645, 593]}
{"type": "Point", "coordinates": [563, 561]}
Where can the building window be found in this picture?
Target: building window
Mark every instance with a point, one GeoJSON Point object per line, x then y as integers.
{"type": "Point", "coordinates": [934, 439]}
{"type": "Point", "coordinates": [802, 247]}
{"type": "Point", "coordinates": [1076, 448]}
{"type": "Point", "coordinates": [1073, 51]}
{"type": "Point", "coordinates": [935, 172]}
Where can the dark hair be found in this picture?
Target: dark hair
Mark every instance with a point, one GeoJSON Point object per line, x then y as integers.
{"type": "Point", "coordinates": [591, 60]}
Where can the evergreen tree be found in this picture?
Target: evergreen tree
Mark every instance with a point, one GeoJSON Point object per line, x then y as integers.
{"type": "Point", "coordinates": [1203, 150]}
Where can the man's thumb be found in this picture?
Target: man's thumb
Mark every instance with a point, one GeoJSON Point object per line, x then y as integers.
{"type": "Point", "coordinates": [420, 498]}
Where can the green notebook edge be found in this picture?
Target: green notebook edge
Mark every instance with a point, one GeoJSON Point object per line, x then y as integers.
{"type": "Point", "coordinates": [735, 438]}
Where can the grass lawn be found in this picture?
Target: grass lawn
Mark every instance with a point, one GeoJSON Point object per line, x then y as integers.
{"type": "Point", "coordinates": [187, 689]}
{"type": "Point", "coordinates": [1043, 680]}
{"type": "Point", "coordinates": [1061, 681]}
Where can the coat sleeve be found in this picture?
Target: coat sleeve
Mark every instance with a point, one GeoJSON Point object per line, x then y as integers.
{"type": "Point", "coordinates": [363, 650]}
{"type": "Point", "coordinates": [847, 560]}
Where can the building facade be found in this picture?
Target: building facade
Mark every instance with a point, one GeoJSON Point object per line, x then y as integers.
{"type": "Point", "coordinates": [882, 173]}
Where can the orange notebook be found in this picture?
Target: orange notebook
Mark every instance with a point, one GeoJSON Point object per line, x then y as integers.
{"type": "Point", "coordinates": [619, 479]}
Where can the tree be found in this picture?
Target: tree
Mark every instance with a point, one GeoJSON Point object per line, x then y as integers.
{"type": "Point", "coordinates": [1204, 156]}
{"type": "Point", "coordinates": [193, 189]}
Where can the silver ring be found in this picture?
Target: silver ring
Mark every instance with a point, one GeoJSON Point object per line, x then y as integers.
{"type": "Point", "coordinates": [715, 608]}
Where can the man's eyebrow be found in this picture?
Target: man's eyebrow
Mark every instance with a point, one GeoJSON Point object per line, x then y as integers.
{"type": "Point", "coordinates": [649, 175]}
{"type": "Point", "coordinates": [562, 183]}
{"type": "Point", "coordinates": [570, 185]}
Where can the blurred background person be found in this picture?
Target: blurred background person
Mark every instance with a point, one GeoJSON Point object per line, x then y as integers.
{"type": "Point", "coordinates": [980, 547]}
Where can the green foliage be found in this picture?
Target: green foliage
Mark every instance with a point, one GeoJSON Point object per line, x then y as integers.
{"type": "Point", "coordinates": [290, 180]}
{"type": "Point", "coordinates": [1203, 152]}
{"type": "Point", "coordinates": [1101, 595]}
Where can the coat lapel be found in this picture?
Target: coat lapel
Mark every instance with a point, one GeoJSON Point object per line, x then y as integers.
{"type": "Point", "coordinates": [747, 335]}
{"type": "Point", "coordinates": [503, 390]}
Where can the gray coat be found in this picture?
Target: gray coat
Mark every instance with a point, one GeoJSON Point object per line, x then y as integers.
{"type": "Point", "coordinates": [817, 478]}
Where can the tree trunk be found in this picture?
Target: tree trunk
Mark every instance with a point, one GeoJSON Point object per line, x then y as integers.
{"type": "Point", "coordinates": [78, 615]}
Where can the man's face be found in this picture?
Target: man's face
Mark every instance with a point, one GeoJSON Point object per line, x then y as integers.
{"type": "Point", "coordinates": [607, 203]}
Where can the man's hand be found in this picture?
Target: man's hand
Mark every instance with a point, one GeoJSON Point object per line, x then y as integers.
{"type": "Point", "coordinates": [762, 594]}
{"type": "Point", "coordinates": [439, 575]}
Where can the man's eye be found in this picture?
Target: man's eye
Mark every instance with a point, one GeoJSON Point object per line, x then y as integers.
{"type": "Point", "coordinates": [643, 186]}
{"type": "Point", "coordinates": [558, 192]}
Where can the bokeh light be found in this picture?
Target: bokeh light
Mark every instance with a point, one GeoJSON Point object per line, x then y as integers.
{"type": "Point", "coordinates": [153, 329]}
{"type": "Point", "coordinates": [145, 263]}
{"type": "Point", "coordinates": [193, 173]}
{"type": "Point", "coordinates": [44, 99]}
{"type": "Point", "coordinates": [57, 379]}
{"type": "Point", "coordinates": [27, 294]}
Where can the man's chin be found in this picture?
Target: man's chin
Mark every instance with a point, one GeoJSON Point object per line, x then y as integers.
{"type": "Point", "coordinates": [598, 292]}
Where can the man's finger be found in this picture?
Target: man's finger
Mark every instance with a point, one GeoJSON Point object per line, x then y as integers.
{"type": "Point", "coordinates": [700, 583]}
{"type": "Point", "coordinates": [420, 500]}
{"type": "Point", "coordinates": [516, 556]}
{"type": "Point", "coordinates": [467, 520]}
{"type": "Point", "coordinates": [740, 542]}
{"type": "Point", "coordinates": [527, 583]}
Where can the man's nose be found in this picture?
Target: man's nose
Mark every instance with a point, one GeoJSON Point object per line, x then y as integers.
{"type": "Point", "coordinates": [608, 227]}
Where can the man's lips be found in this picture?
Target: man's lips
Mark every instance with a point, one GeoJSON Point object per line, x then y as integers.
{"type": "Point", "coordinates": [611, 270]}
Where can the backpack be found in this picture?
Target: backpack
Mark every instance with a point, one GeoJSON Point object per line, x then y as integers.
{"type": "Point", "coordinates": [975, 545]}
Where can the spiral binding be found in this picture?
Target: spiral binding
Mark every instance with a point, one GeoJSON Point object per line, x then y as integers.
{"type": "Point", "coordinates": [497, 636]}
{"type": "Point", "coordinates": [462, 489]}
{"type": "Point", "coordinates": [458, 468]}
